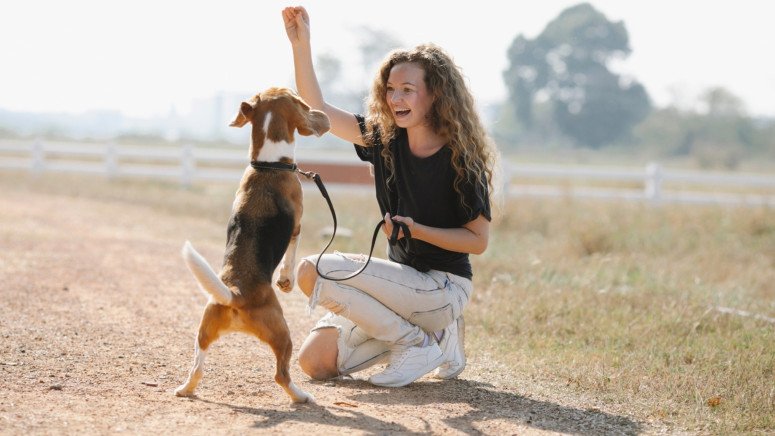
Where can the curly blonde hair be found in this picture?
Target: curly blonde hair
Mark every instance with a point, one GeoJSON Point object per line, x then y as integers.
{"type": "Point", "coordinates": [452, 115]}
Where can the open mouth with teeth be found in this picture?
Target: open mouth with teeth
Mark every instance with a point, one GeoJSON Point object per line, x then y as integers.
{"type": "Point", "coordinates": [402, 112]}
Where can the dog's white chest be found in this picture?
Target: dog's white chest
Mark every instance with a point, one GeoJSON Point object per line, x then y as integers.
{"type": "Point", "coordinates": [274, 151]}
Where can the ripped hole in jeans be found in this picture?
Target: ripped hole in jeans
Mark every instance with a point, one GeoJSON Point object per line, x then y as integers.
{"type": "Point", "coordinates": [355, 257]}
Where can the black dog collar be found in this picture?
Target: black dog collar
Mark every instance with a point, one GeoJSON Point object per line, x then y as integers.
{"type": "Point", "coordinates": [280, 166]}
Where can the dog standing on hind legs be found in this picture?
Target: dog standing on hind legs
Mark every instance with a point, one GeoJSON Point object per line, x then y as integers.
{"type": "Point", "coordinates": [263, 233]}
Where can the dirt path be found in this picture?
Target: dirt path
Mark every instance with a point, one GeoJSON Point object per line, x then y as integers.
{"type": "Point", "coordinates": [97, 325]}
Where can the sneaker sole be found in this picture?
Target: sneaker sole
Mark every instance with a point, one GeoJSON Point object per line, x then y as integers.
{"type": "Point", "coordinates": [401, 384]}
{"type": "Point", "coordinates": [450, 376]}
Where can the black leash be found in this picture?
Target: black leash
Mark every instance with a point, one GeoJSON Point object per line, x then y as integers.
{"type": "Point", "coordinates": [392, 241]}
{"type": "Point", "coordinates": [280, 166]}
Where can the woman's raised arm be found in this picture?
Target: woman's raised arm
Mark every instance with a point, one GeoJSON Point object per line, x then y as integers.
{"type": "Point", "coordinates": [343, 123]}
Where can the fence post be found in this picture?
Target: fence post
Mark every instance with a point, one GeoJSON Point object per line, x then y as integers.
{"type": "Point", "coordinates": [111, 160]}
{"type": "Point", "coordinates": [653, 185]}
{"type": "Point", "coordinates": [38, 157]}
{"type": "Point", "coordinates": [187, 164]}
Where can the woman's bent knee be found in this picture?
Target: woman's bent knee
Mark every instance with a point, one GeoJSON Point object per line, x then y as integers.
{"type": "Point", "coordinates": [316, 369]}
{"type": "Point", "coordinates": [318, 354]}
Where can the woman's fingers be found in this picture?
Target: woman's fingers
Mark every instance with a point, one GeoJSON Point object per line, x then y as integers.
{"type": "Point", "coordinates": [390, 223]}
{"type": "Point", "coordinates": [387, 229]}
{"type": "Point", "coordinates": [303, 14]}
{"type": "Point", "coordinates": [296, 20]}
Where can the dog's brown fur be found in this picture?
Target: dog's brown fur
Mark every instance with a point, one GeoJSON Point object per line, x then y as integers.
{"type": "Point", "coordinates": [262, 234]}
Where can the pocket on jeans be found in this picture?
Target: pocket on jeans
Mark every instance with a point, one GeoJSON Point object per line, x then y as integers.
{"type": "Point", "coordinates": [433, 320]}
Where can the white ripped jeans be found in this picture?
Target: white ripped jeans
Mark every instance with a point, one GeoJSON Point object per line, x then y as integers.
{"type": "Point", "coordinates": [389, 302]}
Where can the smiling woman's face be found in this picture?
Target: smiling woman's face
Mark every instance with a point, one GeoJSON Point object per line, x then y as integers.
{"type": "Point", "coordinates": [407, 96]}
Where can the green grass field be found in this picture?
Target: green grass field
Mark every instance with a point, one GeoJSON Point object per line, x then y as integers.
{"type": "Point", "coordinates": [623, 302]}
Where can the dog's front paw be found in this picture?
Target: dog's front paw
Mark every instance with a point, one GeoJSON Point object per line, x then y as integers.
{"type": "Point", "coordinates": [285, 283]}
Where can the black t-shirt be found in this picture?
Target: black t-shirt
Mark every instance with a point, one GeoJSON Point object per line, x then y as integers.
{"type": "Point", "coordinates": [423, 189]}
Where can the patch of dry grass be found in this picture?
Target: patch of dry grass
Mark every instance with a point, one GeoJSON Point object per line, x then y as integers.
{"type": "Point", "coordinates": [613, 300]}
{"type": "Point", "coordinates": [620, 301]}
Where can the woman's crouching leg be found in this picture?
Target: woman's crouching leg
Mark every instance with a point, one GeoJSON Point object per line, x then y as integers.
{"type": "Point", "coordinates": [336, 346]}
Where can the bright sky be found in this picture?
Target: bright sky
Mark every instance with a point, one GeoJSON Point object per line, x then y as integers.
{"type": "Point", "coordinates": [144, 57]}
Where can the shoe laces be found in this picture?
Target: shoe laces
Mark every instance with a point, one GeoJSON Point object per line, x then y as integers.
{"type": "Point", "coordinates": [397, 356]}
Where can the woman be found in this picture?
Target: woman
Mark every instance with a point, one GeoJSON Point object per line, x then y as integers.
{"type": "Point", "coordinates": [433, 172]}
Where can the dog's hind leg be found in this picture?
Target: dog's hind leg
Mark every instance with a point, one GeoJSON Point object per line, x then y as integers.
{"type": "Point", "coordinates": [215, 319]}
{"type": "Point", "coordinates": [270, 327]}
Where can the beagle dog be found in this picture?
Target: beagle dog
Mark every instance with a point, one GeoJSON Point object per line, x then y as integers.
{"type": "Point", "coordinates": [263, 232]}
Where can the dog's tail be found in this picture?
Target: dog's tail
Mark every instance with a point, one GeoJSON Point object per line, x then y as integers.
{"type": "Point", "coordinates": [208, 280]}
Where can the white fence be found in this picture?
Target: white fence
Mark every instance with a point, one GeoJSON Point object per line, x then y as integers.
{"type": "Point", "coordinates": [114, 161]}
{"type": "Point", "coordinates": [188, 165]}
{"type": "Point", "coordinates": [654, 183]}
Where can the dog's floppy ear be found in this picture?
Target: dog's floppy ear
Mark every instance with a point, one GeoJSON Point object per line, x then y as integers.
{"type": "Point", "coordinates": [244, 115]}
{"type": "Point", "coordinates": [311, 121]}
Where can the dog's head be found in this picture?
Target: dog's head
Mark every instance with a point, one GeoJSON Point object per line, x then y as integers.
{"type": "Point", "coordinates": [275, 114]}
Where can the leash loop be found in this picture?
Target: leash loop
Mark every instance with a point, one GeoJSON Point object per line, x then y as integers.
{"type": "Point", "coordinates": [322, 188]}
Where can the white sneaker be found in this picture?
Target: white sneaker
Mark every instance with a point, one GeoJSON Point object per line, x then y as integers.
{"type": "Point", "coordinates": [407, 364]}
{"type": "Point", "coordinates": [451, 345]}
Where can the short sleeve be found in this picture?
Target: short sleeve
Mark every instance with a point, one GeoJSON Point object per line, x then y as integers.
{"type": "Point", "coordinates": [365, 154]}
{"type": "Point", "coordinates": [477, 200]}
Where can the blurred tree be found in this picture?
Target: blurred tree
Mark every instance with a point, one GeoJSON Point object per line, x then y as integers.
{"type": "Point", "coordinates": [716, 134]}
{"type": "Point", "coordinates": [329, 72]}
{"type": "Point", "coordinates": [567, 64]}
{"type": "Point", "coordinates": [374, 46]}
{"type": "Point", "coordinates": [718, 101]}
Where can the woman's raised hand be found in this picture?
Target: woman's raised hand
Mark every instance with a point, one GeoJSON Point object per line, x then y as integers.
{"type": "Point", "coordinates": [296, 21]}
